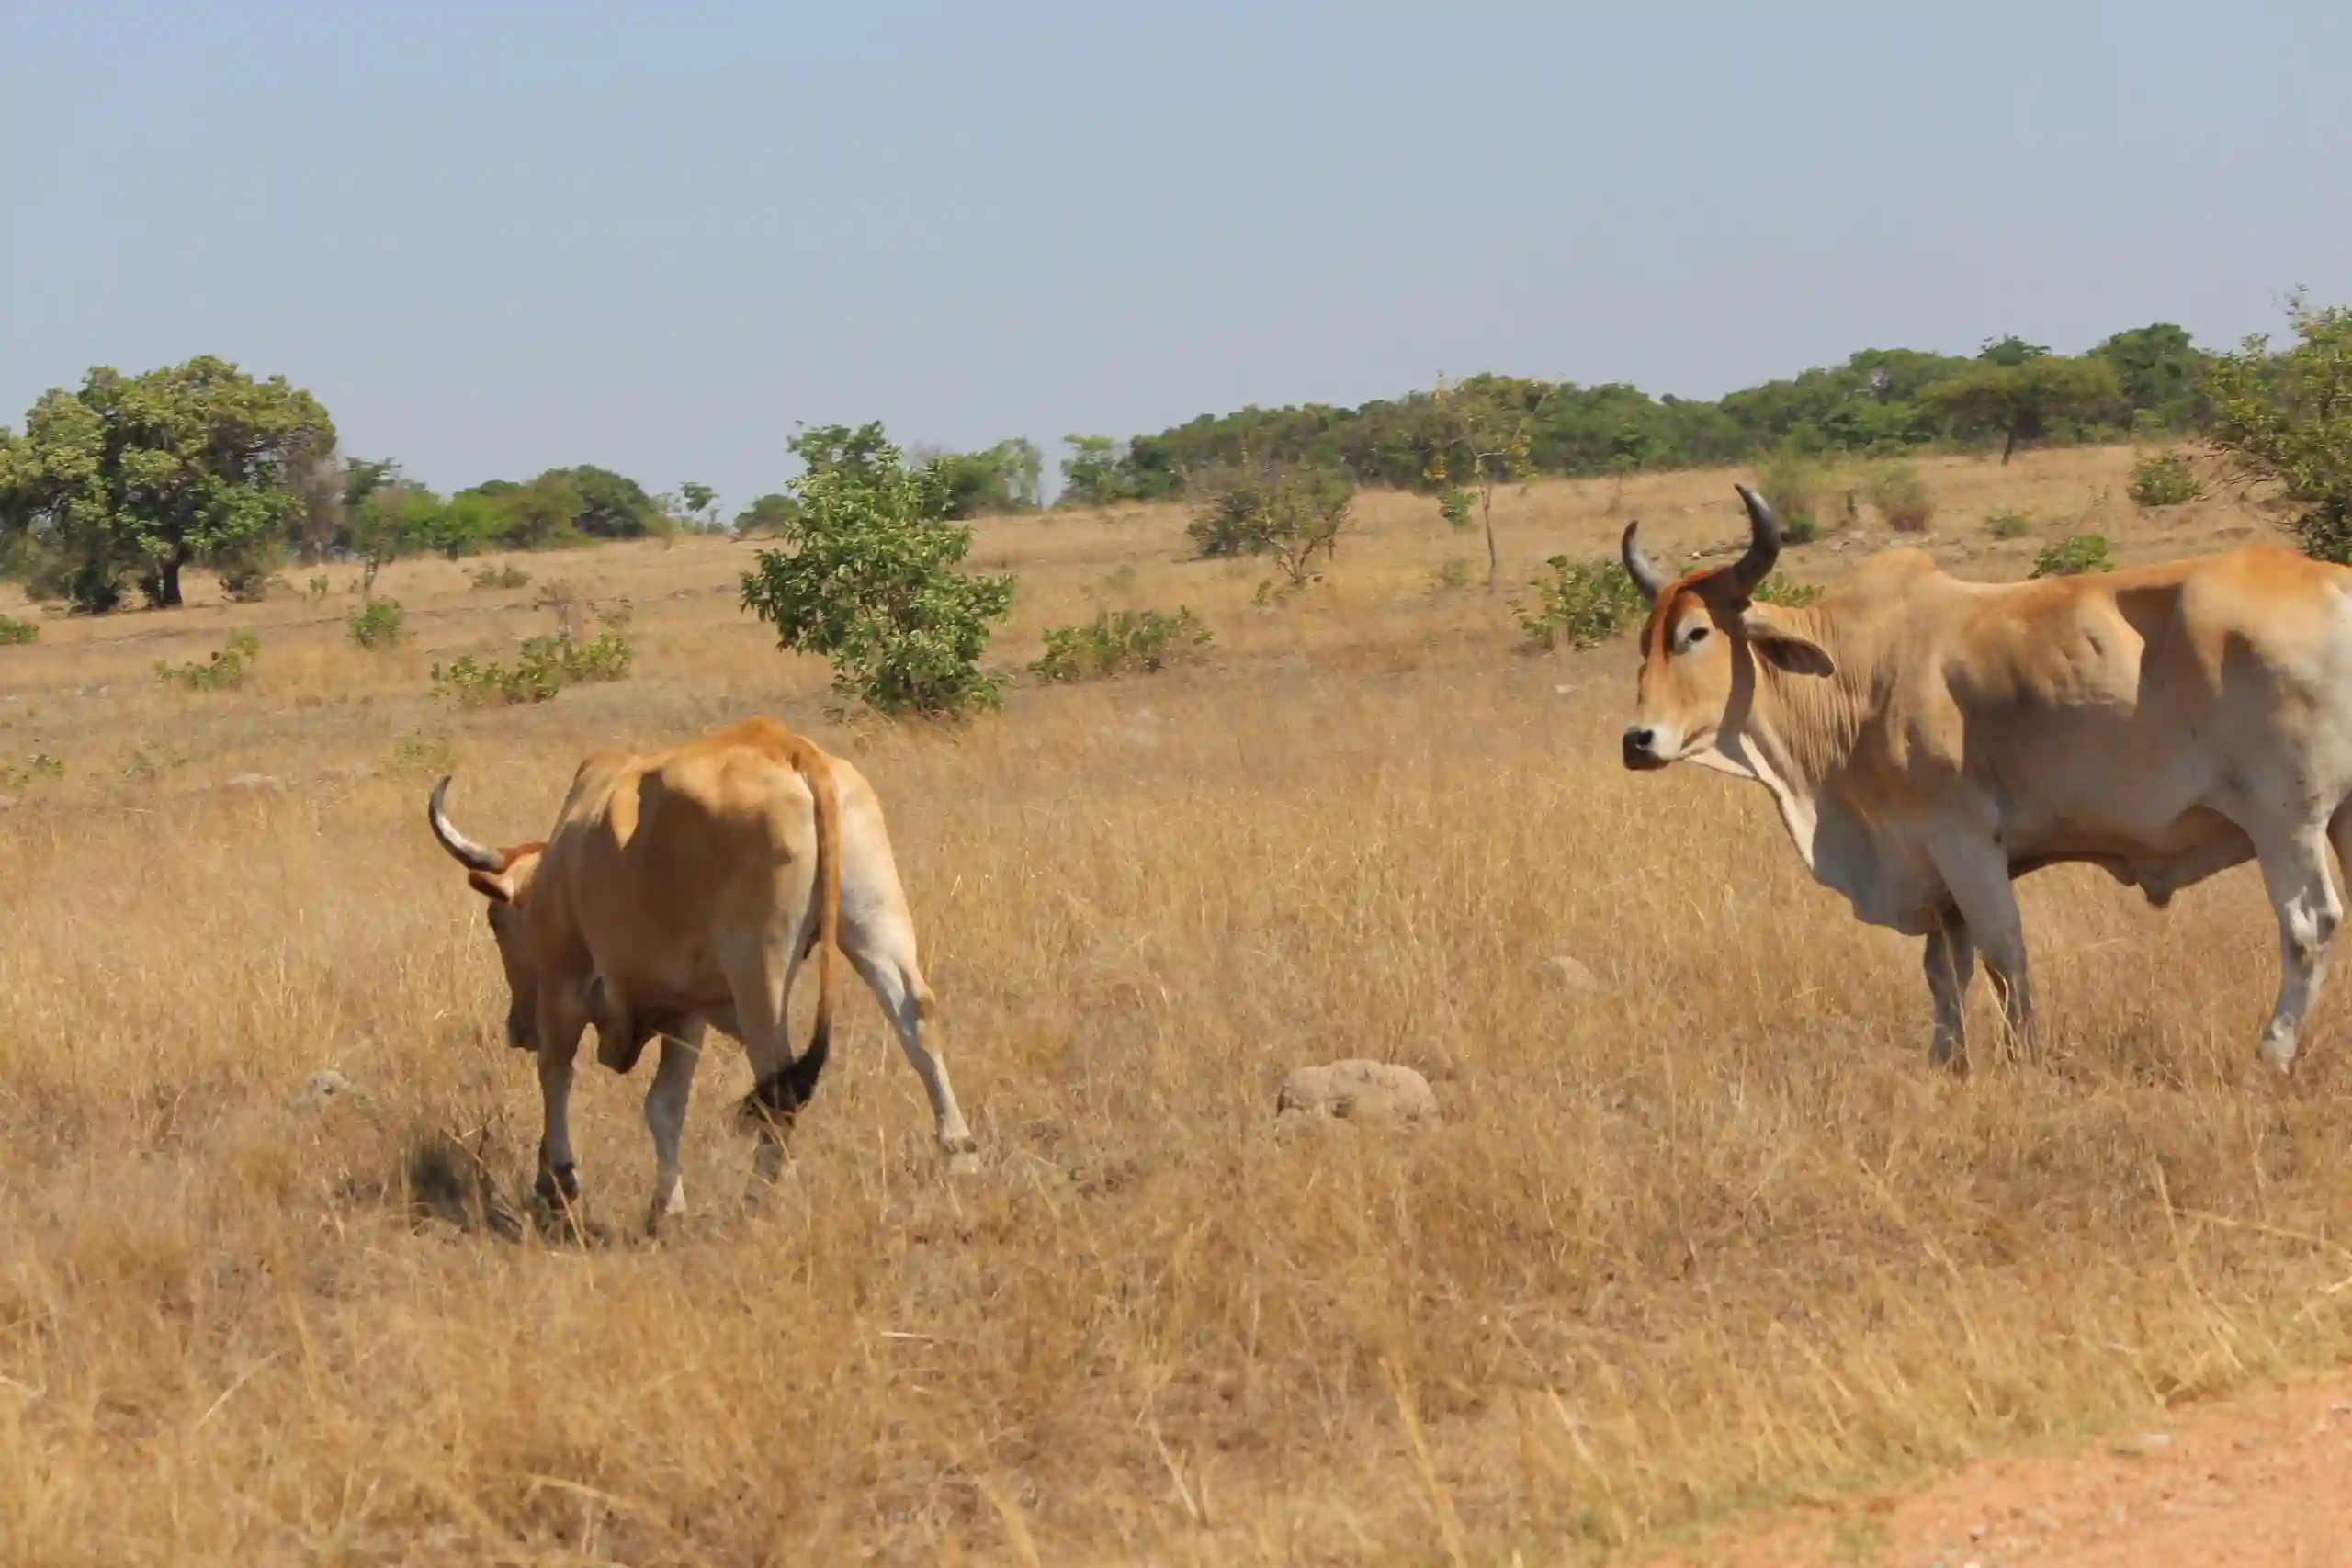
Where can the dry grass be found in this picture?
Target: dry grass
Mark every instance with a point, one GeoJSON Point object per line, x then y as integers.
{"type": "Point", "coordinates": [1705, 1232]}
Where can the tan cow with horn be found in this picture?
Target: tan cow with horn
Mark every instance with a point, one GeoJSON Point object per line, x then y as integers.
{"type": "Point", "coordinates": [682, 888]}
{"type": "Point", "coordinates": [1928, 739]}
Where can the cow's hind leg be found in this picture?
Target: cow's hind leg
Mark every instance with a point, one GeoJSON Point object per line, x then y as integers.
{"type": "Point", "coordinates": [1949, 963]}
{"type": "Point", "coordinates": [665, 1118]}
{"type": "Point", "coordinates": [1976, 873]}
{"type": "Point", "coordinates": [2294, 870]}
{"type": "Point", "coordinates": [879, 939]}
{"type": "Point", "coordinates": [761, 981]}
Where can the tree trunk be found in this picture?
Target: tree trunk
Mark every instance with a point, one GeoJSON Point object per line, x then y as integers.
{"type": "Point", "coordinates": [2008, 445]}
{"type": "Point", "coordinates": [162, 586]}
{"type": "Point", "coordinates": [1494, 559]}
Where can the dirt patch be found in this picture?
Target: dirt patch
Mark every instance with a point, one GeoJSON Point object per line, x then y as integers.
{"type": "Point", "coordinates": [2264, 1480]}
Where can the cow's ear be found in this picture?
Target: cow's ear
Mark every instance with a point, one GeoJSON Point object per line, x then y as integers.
{"type": "Point", "coordinates": [1784, 647]}
{"type": "Point", "coordinates": [494, 887]}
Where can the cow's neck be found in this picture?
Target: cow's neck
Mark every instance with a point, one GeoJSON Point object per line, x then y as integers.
{"type": "Point", "coordinates": [1795, 734]}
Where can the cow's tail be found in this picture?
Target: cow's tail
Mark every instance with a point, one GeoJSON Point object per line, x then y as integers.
{"type": "Point", "coordinates": [792, 1085]}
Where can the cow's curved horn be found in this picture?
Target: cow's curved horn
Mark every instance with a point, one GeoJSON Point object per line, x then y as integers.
{"type": "Point", "coordinates": [1637, 565]}
{"type": "Point", "coordinates": [1763, 546]}
{"type": "Point", "coordinates": [467, 853]}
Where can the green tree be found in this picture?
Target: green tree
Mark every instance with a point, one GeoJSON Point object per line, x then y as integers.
{"type": "Point", "coordinates": [701, 504]}
{"type": "Point", "coordinates": [2019, 393]}
{"type": "Point", "coordinates": [133, 478]}
{"type": "Point", "coordinates": [1095, 474]}
{"type": "Point", "coordinates": [2161, 373]}
{"type": "Point", "coordinates": [2284, 421]}
{"type": "Point", "coordinates": [767, 515]}
{"type": "Point", "coordinates": [1486, 437]}
{"type": "Point", "coordinates": [869, 577]}
{"type": "Point", "coordinates": [1004, 479]}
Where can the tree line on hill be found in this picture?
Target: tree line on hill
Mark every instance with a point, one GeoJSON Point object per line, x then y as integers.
{"type": "Point", "coordinates": [114, 488]}
{"type": "Point", "coordinates": [2144, 382]}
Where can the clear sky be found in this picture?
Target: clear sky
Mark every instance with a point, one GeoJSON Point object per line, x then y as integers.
{"type": "Point", "coordinates": [496, 237]}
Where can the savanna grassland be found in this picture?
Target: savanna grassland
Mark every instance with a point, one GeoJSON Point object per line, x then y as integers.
{"type": "Point", "coordinates": [1698, 1228]}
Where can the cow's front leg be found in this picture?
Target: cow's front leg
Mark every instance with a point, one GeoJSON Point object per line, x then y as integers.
{"type": "Point", "coordinates": [665, 1118]}
{"type": "Point", "coordinates": [1949, 963]}
{"type": "Point", "coordinates": [558, 1185]}
{"type": "Point", "coordinates": [1977, 872]}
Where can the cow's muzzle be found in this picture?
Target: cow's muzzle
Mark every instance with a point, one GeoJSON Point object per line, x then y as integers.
{"type": "Point", "coordinates": [1641, 749]}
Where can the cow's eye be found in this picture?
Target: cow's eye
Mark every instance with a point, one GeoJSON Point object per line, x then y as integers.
{"type": "Point", "coordinates": [1698, 635]}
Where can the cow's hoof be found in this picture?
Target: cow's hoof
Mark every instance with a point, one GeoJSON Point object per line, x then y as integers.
{"type": "Point", "coordinates": [964, 1162]}
{"type": "Point", "coordinates": [2279, 1057]}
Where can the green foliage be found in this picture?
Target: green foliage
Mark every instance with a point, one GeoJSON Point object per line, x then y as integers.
{"type": "Point", "coordinates": [14, 777]}
{"type": "Point", "coordinates": [224, 672]}
{"type": "Point", "coordinates": [2165, 478]}
{"type": "Point", "coordinates": [132, 478]}
{"type": "Point", "coordinates": [316, 588]}
{"type": "Point", "coordinates": [1485, 435]}
{"type": "Point", "coordinates": [2009, 524]}
{"type": "Point", "coordinates": [1001, 479]}
{"type": "Point", "coordinates": [1777, 590]}
{"type": "Point", "coordinates": [1452, 575]}
{"type": "Point", "coordinates": [544, 666]}
{"type": "Point", "coordinates": [2161, 374]}
{"type": "Point", "coordinates": [1120, 642]}
{"type": "Point", "coordinates": [14, 632]}
{"type": "Point", "coordinates": [2073, 555]}
{"type": "Point", "coordinates": [431, 755]}
{"type": "Point", "coordinates": [1581, 605]}
{"type": "Point", "coordinates": [1799, 489]}
{"type": "Point", "coordinates": [2022, 393]}
{"type": "Point", "coordinates": [497, 577]}
{"type": "Point", "coordinates": [1901, 498]}
{"type": "Point", "coordinates": [869, 578]}
{"type": "Point", "coordinates": [377, 624]}
{"type": "Point", "coordinates": [2284, 421]}
{"type": "Point", "coordinates": [766, 516]}
{"type": "Point", "coordinates": [1453, 505]}
{"type": "Point", "coordinates": [1273, 509]}
{"type": "Point", "coordinates": [1097, 472]}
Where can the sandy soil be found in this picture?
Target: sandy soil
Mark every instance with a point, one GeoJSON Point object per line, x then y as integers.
{"type": "Point", "coordinates": [2262, 1481]}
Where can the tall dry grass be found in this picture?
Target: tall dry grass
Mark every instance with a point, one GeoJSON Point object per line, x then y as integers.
{"type": "Point", "coordinates": [1699, 1227]}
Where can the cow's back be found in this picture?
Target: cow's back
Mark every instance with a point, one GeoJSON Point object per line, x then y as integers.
{"type": "Point", "coordinates": [685, 850]}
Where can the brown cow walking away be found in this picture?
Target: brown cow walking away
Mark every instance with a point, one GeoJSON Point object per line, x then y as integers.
{"type": "Point", "coordinates": [681, 889]}
{"type": "Point", "coordinates": [1927, 741]}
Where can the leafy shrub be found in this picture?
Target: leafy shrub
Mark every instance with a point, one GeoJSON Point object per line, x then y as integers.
{"type": "Point", "coordinates": [248, 584]}
{"type": "Point", "coordinates": [14, 631]}
{"type": "Point", "coordinates": [377, 624]}
{"type": "Point", "coordinates": [1781, 591]}
{"type": "Point", "coordinates": [499, 577]}
{"type": "Point", "coordinates": [2009, 524]}
{"type": "Point", "coordinates": [39, 765]}
{"type": "Point", "coordinates": [317, 587]}
{"type": "Point", "coordinates": [1901, 498]}
{"type": "Point", "coordinates": [1453, 505]}
{"type": "Point", "coordinates": [1452, 575]}
{"type": "Point", "coordinates": [2073, 555]}
{"type": "Point", "coordinates": [1119, 642]}
{"type": "Point", "coordinates": [2165, 478]}
{"type": "Point", "coordinates": [870, 579]}
{"type": "Point", "coordinates": [2285, 420]}
{"type": "Point", "coordinates": [1582, 604]}
{"type": "Point", "coordinates": [1278, 509]}
{"type": "Point", "coordinates": [1799, 490]}
{"type": "Point", "coordinates": [544, 667]}
{"type": "Point", "coordinates": [224, 672]}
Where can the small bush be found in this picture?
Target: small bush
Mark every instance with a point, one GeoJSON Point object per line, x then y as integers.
{"type": "Point", "coordinates": [1120, 642]}
{"type": "Point", "coordinates": [1582, 604]}
{"type": "Point", "coordinates": [2073, 555]}
{"type": "Point", "coordinates": [1452, 575]}
{"type": "Point", "coordinates": [1453, 505]}
{"type": "Point", "coordinates": [317, 589]}
{"type": "Point", "coordinates": [39, 765]}
{"type": "Point", "coordinates": [544, 667]}
{"type": "Point", "coordinates": [1781, 591]}
{"type": "Point", "coordinates": [421, 753]}
{"type": "Point", "coordinates": [2165, 478]}
{"type": "Point", "coordinates": [1901, 498]}
{"type": "Point", "coordinates": [499, 577]}
{"type": "Point", "coordinates": [14, 632]}
{"type": "Point", "coordinates": [377, 624]}
{"type": "Point", "coordinates": [248, 584]}
{"type": "Point", "coordinates": [1798, 489]}
{"type": "Point", "coordinates": [1278, 509]}
{"type": "Point", "coordinates": [2007, 523]}
{"type": "Point", "coordinates": [224, 672]}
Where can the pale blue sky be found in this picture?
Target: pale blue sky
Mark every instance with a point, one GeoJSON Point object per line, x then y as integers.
{"type": "Point", "coordinates": [497, 237]}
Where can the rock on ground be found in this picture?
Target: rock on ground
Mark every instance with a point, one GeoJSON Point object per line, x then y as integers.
{"type": "Point", "coordinates": [1358, 1089]}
